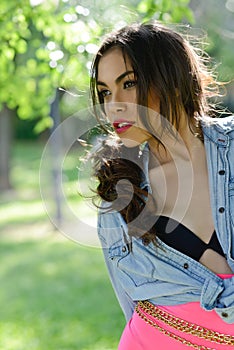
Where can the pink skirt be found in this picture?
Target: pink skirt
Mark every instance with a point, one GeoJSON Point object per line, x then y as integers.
{"type": "Point", "coordinates": [146, 332]}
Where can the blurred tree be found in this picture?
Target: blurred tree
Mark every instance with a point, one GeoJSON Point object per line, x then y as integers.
{"type": "Point", "coordinates": [209, 15]}
{"type": "Point", "coordinates": [46, 44]}
{"type": "Point", "coordinates": [40, 50]}
{"type": "Point", "coordinates": [216, 18]}
{"type": "Point", "coordinates": [168, 11]}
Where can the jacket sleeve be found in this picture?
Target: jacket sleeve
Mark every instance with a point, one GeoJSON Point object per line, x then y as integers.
{"type": "Point", "coordinates": [126, 303]}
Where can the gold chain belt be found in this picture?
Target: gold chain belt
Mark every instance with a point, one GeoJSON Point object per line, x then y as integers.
{"type": "Point", "coordinates": [145, 309]}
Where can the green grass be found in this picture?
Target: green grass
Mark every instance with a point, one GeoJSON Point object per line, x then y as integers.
{"type": "Point", "coordinates": [55, 294]}
{"type": "Point", "coordinates": [24, 203]}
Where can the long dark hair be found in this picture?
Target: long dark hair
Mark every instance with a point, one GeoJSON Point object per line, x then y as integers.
{"type": "Point", "coordinates": [163, 61]}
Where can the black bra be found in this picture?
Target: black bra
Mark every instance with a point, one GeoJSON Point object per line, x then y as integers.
{"type": "Point", "coordinates": [182, 239]}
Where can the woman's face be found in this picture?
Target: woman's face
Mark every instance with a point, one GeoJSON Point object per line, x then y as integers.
{"type": "Point", "coordinates": [116, 82]}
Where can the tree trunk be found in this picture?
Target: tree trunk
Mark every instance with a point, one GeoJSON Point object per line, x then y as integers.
{"type": "Point", "coordinates": [6, 118]}
{"type": "Point", "coordinates": [56, 145]}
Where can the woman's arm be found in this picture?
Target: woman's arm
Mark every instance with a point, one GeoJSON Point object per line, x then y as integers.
{"type": "Point", "coordinates": [126, 303]}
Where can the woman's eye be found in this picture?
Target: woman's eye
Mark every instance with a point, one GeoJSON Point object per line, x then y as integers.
{"type": "Point", "coordinates": [104, 93]}
{"type": "Point", "coordinates": [129, 84]}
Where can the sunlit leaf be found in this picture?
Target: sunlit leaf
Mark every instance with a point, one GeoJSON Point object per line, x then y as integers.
{"type": "Point", "coordinates": [9, 53]}
{"type": "Point", "coordinates": [43, 124]}
{"type": "Point", "coordinates": [21, 46]}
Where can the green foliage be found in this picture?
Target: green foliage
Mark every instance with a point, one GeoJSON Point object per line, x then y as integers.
{"type": "Point", "coordinates": [168, 11]}
{"type": "Point", "coordinates": [50, 44]}
{"type": "Point", "coordinates": [219, 34]}
{"type": "Point", "coordinates": [39, 52]}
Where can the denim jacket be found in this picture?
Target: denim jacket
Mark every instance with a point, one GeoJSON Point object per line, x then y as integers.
{"type": "Point", "coordinates": [161, 274]}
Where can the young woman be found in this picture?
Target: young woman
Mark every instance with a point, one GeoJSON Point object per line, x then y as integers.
{"type": "Point", "coordinates": [166, 179]}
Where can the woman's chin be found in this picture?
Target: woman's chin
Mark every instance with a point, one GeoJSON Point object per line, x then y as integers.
{"type": "Point", "coordinates": [130, 143]}
{"type": "Point", "coordinates": [134, 137]}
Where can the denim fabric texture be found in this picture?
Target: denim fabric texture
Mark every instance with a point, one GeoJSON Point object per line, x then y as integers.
{"type": "Point", "coordinates": [163, 275]}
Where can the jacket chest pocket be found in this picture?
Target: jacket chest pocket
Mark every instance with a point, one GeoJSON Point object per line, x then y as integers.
{"type": "Point", "coordinates": [118, 250]}
{"type": "Point", "coordinates": [135, 267]}
{"type": "Point", "coordinates": [115, 242]}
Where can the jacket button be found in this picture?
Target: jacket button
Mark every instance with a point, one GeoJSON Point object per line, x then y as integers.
{"type": "Point", "coordinates": [124, 249]}
{"type": "Point", "coordinates": [186, 265]}
{"type": "Point", "coordinates": [221, 172]}
{"type": "Point", "coordinates": [221, 209]}
{"type": "Point", "coordinates": [224, 314]}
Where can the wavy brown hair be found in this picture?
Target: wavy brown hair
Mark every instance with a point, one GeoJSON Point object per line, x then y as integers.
{"type": "Point", "coordinates": [166, 63]}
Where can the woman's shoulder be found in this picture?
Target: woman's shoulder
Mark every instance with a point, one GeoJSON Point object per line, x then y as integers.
{"type": "Point", "coordinates": [222, 125]}
{"type": "Point", "coordinates": [107, 216]}
{"type": "Point", "coordinates": [110, 224]}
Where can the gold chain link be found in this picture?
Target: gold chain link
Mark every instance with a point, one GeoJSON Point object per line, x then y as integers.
{"type": "Point", "coordinates": [145, 309]}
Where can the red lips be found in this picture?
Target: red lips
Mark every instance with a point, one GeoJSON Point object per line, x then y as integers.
{"type": "Point", "coordinates": [122, 125]}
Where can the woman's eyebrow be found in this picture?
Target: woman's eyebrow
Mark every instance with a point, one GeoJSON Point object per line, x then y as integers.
{"type": "Point", "coordinates": [118, 79]}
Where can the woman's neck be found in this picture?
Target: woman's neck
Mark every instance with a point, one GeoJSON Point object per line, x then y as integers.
{"type": "Point", "coordinates": [182, 144]}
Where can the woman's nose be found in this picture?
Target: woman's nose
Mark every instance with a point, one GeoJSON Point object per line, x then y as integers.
{"type": "Point", "coordinates": [117, 107]}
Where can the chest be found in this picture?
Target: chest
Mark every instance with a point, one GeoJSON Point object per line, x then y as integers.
{"type": "Point", "coordinates": [181, 191]}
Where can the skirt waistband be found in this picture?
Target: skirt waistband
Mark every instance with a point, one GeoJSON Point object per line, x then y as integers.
{"type": "Point", "coordinates": [158, 319]}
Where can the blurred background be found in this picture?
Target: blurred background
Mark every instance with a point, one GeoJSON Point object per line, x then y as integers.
{"type": "Point", "coordinates": [55, 293]}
